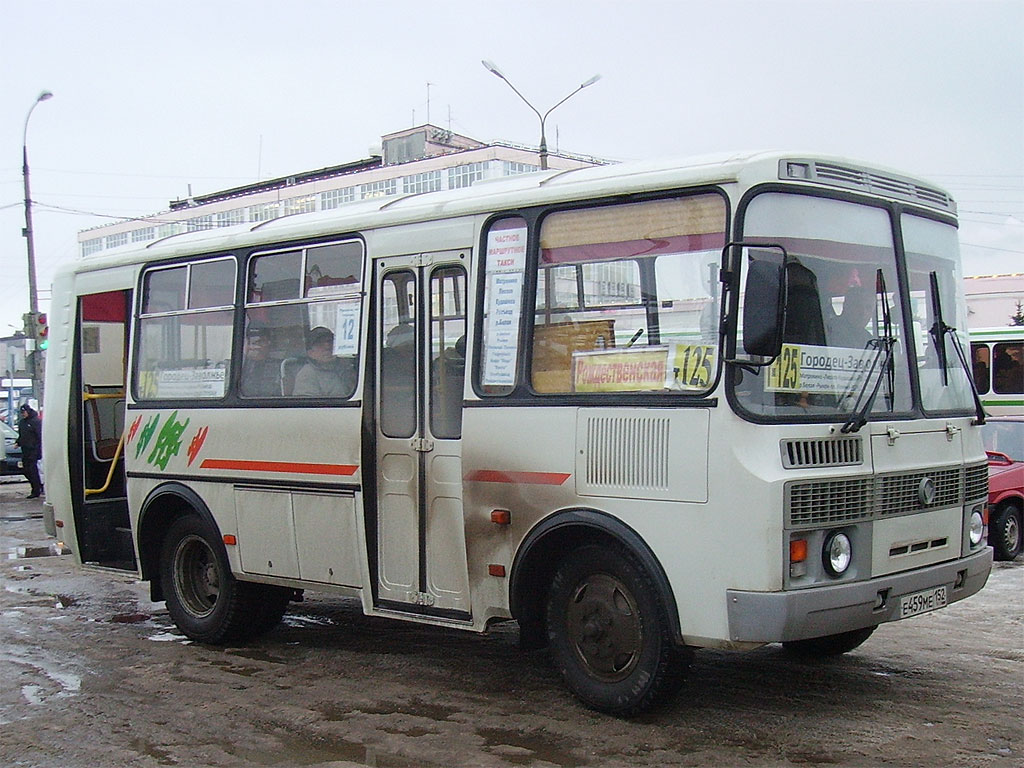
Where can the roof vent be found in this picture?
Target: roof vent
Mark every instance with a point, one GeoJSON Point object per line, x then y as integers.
{"type": "Point", "coordinates": [849, 177]}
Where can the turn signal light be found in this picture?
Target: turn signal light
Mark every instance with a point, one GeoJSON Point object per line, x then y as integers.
{"type": "Point", "coordinates": [797, 550]}
{"type": "Point", "coordinates": [501, 516]}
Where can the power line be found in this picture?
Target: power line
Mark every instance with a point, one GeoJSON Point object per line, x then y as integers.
{"type": "Point", "coordinates": [992, 248]}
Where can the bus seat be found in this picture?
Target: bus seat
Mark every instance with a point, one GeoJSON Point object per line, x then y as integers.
{"type": "Point", "coordinates": [804, 321]}
{"type": "Point", "coordinates": [289, 369]}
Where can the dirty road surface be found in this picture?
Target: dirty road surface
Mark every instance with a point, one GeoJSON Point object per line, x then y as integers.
{"type": "Point", "coordinates": [95, 676]}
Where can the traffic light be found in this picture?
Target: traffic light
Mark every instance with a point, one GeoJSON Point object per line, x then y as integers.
{"type": "Point", "coordinates": [42, 331]}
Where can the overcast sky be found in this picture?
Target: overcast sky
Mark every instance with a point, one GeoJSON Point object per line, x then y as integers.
{"type": "Point", "coordinates": [152, 97]}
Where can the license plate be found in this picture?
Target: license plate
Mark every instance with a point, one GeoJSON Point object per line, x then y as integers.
{"type": "Point", "coordinates": [922, 602]}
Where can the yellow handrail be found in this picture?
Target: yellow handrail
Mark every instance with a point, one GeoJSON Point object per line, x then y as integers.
{"type": "Point", "coordinates": [110, 472]}
{"type": "Point", "coordinates": [86, 396]}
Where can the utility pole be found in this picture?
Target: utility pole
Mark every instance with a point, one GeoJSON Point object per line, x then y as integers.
{"type": "Point", "coordinates": [33, 300]}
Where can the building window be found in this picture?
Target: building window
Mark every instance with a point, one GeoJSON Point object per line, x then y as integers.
{"type": "Point", "coordinates": [422, 182]}
{"type": "Point", "coordinates": [143, 234]}
{"type": "Point", "coordinates": [466, 175]}
{"type": "Point", "coordinates": [89, 247]}
{"type": "Point", "coordinates": [380, 188]}
{"type": "Point", "coordinates": [264, 211]}
{"type": "Point", "coordinates": [166, 230]}
{"type": "Point", "coordinates": [405, 148]}
{"type": "Point", "coordinates": [199, 223]}
{"type": "Point", "coordinates": [514, 169]}
{"type": "Point", "coordinates": [113, 241]}
{"type": "Point", "coordinates": [229, 218]}
{"type": "Point", "coordinates": [332, 198]}
{"type": "Point", "coordinates": [305, 204]}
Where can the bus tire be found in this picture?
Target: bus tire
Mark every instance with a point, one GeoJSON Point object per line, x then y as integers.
{"type": "Point", "coordinates": [206, 602]}
{"type": "Point", "coordinates": [608, 632]}
{"type": "Point", "coordinates": [1004, 532]}
{"type": "Point", "coordinates": [829, 645]}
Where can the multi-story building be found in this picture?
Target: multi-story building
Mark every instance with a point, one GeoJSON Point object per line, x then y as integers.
{"type": "Point", "coordinates": [413, 161]}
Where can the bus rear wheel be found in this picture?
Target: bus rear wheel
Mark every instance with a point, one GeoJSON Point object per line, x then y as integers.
{"type": "Point", "coordinates": [609, 635]}
{"type": "Point", "coordinates": [829, 645]}
{"type": "Point", "coordinates": [205, 601]}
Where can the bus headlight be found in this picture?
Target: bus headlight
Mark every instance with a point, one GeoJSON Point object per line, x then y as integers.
{"type": "Point", "coordinates": [837, 554]}
{"type": "Point", "coordinates": [977, 529]}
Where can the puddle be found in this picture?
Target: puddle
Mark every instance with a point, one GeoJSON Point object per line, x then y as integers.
{"type": "Point", "coordinates": [414, 708]}
{"type": "Point", "coordinates": [291, 620]}
{"type": "Point", "coordinates": [255, 654]}
{"type": "Point", "coordinates": [130, 618]}
{"type": "Point", "coordinates": [298, 751]}
{"type": "Point", "coordinates": [521, 748]}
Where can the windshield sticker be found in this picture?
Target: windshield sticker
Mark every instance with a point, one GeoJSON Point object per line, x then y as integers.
{"type": "Point", "coordinates": [672, 367]}
{"type": "Point", "coordinates": [808, 368]}
{"type": "Point", "coordinates": [191, 382]}
{"type": "Point", "coordinates": [506, 260]}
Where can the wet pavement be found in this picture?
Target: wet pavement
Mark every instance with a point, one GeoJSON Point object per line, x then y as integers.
{"type": "Point", "coordinates": [97, 676]}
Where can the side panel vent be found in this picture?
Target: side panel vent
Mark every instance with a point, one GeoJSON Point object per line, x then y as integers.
{"type": "Point", "coordinates": [642, 453]}
{"type": "Point", "coordinates": [829, 452]}
{"type": "Point", "coordinates": [628, 452]}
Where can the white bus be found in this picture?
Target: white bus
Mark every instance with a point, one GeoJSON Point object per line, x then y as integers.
{"type": "Point", "coordinates": [997, 358]}
{"type": "Point", "coordinates": [640, 409]}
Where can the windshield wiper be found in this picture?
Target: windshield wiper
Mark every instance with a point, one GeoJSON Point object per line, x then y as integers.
{"type": "Point", "coordinates": [883, 346]}
{"type": "Point", "coordinates": [939, 331]}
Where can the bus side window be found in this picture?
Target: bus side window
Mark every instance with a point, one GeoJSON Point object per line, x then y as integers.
{"type": "Point", "coordinates": [980, 367]}
{"type": "Point", "coordinates": [1007, 368]}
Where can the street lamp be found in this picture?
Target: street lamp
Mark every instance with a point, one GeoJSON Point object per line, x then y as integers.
{"type": "Point", "coordinates": [491, 67]}
{"type": "Point", "coordinates": [33, 300]}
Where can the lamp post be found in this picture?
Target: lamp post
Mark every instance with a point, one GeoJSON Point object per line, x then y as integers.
{"type": "Point", "coordinates": [491, 67]}
{"type": "Point", "coordinates": [33, 300]}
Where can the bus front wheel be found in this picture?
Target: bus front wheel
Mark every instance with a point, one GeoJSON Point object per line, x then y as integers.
{"type": "Point", "coordinates": [205, 601]}
{"type": "Point", "coordinates": [609, 634]}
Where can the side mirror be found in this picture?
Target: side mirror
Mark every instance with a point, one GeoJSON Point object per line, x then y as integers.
{"type": "Point", "coordinates": [764, 307]}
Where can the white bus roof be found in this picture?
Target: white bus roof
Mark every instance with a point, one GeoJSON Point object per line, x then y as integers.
{"type": "Point", "coordinates": [537, 188]}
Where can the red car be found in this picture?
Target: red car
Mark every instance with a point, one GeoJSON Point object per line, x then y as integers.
{"type": "Point", "coordinates": [1004, 444]}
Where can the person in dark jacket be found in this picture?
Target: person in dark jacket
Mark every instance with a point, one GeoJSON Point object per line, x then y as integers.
{"type": "Point", "coordinates": [30, 438]}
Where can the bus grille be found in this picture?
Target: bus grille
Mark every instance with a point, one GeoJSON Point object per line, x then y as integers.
{"type": "Point", "coordinates": [832, 452]}
{"type": "Point", "coordinates": [976, 482]}
{"type": "Point", "coordinates": [827, 502]}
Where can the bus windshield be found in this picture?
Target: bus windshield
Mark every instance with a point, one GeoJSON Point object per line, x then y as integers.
{"type": "Point", "coordinates": [843, 332]}
{"type": "Point", "coordinates": [931, 249]}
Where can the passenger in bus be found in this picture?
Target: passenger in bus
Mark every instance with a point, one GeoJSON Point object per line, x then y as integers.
{"type": "Point", "coordinates": [849, 327]}
{"type": "Point", "coordinates": [260, 373]}
{"type": "Point", "coordinates": [323, 375]}
{"type": "Point", "coordinates": [1008, 372]}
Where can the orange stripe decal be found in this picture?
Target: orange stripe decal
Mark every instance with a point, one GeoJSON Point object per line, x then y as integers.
{"type": "Point", "coordinates": [294, 467]}
{"type": "Point", "coordinates": [521, 478]}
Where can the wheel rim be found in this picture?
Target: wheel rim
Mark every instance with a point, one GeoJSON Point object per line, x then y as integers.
{"type": "Point", "coordinates": [1011, 533]}
{"type": "Point", "coordinates": [196, 576]}
{"type": "Point", "coordinates": [604, 626]}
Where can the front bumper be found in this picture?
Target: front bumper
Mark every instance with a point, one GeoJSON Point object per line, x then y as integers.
{"type": "Point", "coordinates": [774, 617]}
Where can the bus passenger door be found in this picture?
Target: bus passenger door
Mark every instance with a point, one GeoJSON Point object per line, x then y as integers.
{"type": "Point", "coordinates": [421, 547]}
{"type": "Point", "coordinates": [96, 460]}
